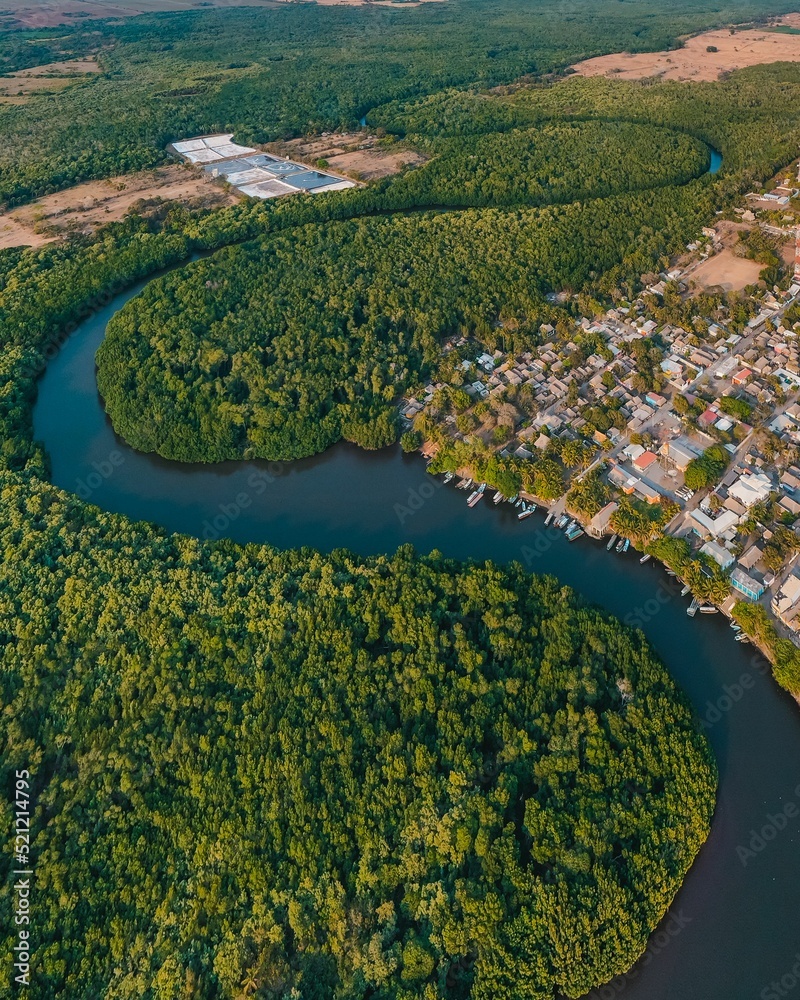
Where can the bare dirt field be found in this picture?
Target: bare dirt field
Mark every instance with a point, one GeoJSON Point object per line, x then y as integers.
{"type": "Point", "coordinates": [733, 49]}
{"type": "Point", "coordinates": [49, 13]}
{"type": "Point", "coordinates": [354, 154]}
{"type": "Point", "coordinates": [50, 77]}
{"type": "Point", "coordinates": [726, 271]}
{"type": "Point", "coordinates": [95, 203]}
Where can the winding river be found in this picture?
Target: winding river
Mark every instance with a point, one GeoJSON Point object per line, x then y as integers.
{"type": "Point", "coordinates": [733, 929]}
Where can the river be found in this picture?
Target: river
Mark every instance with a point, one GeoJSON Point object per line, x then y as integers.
{"type": "Point", "coordinates": [733, 928]}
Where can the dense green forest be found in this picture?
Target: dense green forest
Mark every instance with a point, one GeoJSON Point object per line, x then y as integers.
{"type": "Point", "coordinates": [271, 73]}
{"type": "Point", "coordinates": [390, 778]}
{"type": "Point", "coordinates": [557, 162]}
{"type": "Point", "coordinates": [280, 349]}
{"type": "Point", "coordinates": [294, 776]}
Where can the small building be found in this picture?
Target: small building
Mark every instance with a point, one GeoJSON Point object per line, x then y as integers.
{"type": "Point", "coordinates": [741, 377]}
{"type": "Point", "coordinates": [717, 527]}
{"type": "Point", "coordinates": [786, 603]}
{"type": "Point", "coordinates": [644, 461]}
{"type": "Point", "coordinates": [720, 555]}
{"type": "Point", "coordinates": [752, 489]}
{"type": "Point", "coordinates": [680, 453]}
{"type": "Point", "coordinates": [746, 584]}
{"type": "Point", "coordinates": [600, 523]}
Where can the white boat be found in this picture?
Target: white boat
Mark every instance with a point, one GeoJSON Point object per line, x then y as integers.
{"type": "Point", "coordinates": [627, 545]}
{"type": "Point", "coordinates": [686, 589]}
{"type": "Point", "coordinates": [574, 532]}
{"type": "Point", "coordinates": [691, 611]}
{"type": "Point", "coordinates": [708, 609]}
{"type": "Point", "coordinates": [498, 497]}
{"type": "Point", "coordinates": [645, 558]}
{"type": "Point", "coordinates": [448, 476]}
{"type": "Point", "coordinates": [525, 512]}
{"type": "Point", "coordinates": [563, 521]}
{"type": "Point", "coordinates": [620, 545]}
{"type": "Point", "coordinates": [741, 637]}
{"type": "Point", "coordinates": [735, 626]}
{"type": "Point", "coordinates": [610, 545]}
{"type": "Point", "coordinates": [474, 497]}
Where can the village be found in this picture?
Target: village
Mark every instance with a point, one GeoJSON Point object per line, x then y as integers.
{"type": "Point", "coordinates": [680, 437]}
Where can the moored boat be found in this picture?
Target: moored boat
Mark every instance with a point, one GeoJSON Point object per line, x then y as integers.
{"type": "Point", "coordinates": [620, 545]}
{"type": "Point", "coordinates": [645, 558]}
{"type": "Point", "coordinates": [611, 544]}
{"type": "Point", "coordinates": [627, 545]}
{"type": "Point", "coordinates": [574, 532]}
{"type": "Point", "coordinates": [691, 611]}
{"type": "Point", "coordinates": [685, 590]}
{"type": "Point", "coordinates": [526, 511]}
{"type": "Point", "coordinates": [709, 609]}
{"type": "Point", "coordinates": [474, 497]}
{"type": "Point", "coordinates": [448, 476]}
{"type": "Point", "coordinates": [498, 497]}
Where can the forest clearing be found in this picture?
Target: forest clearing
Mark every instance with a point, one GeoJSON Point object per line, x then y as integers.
{"type": "Point", "coordinates": [707, 56]}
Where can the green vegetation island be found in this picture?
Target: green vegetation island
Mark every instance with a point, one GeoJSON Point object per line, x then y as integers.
{"type": "Point", "coordinates": [320, 777]}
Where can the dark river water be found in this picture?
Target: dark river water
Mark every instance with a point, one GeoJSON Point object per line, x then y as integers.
{"type": "Point", "coordinates": [734, 927]}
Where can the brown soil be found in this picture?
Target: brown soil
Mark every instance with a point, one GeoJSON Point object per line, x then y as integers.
{"type": "Point", "coordinates": [726, 271]}
{"type": "Point", "coordinates": [353, 154]}
{"type": "Point", "coordinates": [735, 50]}
{"type": "Point", "coordinates": [88, 206]}
{"type": "Point", "coordinates": [52, 76]}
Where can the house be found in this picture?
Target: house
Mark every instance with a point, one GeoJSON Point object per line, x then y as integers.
{"type": "Point", "coordinates": [655, 400]}
{"type": "Point", "coordinates": [707, 419]}
{"type": "Point", "coordinates": [786, 603]}
{"type": "Point", "coordinates": [644, 461]}
{"type": "Point", "coordinates": [680, 453]}
{"type": "Point", "coordinates": [720, 555]}
{"type": "Point", "coordinates": [717, 527]}
{"type": "Point", "coordinates": [600, 523]}
{"type": "Point", "coordinates": [789, 482]}
{"type": "Point", "coordinates": [746, 585]}
{"type": "Point", "coordinates": [741, 377]}
{"type": "Point", "coordinates": [752, 489]}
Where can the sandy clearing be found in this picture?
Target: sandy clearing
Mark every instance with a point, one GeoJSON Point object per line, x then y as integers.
{"type": "Point", "coordinates": [95, 203]}
{"type": "Point", "coordinates": [694, 62]}
{"type": "Point", "coordinates": [14, 234]}
{"type": "Point", "coordinates": [726, 271]}
{"type": "Point", "coordinates": [49, 77]}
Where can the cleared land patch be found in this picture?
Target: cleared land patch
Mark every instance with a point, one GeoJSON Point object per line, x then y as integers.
{"type": "Point", "coordinates": [95, 203]}
{"type": "Point", "coordinates": [707, 56]}
{"type": "Point", "coordinates": [46, 79]}
{"type": "Point", "coordinates": [358, 155]}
